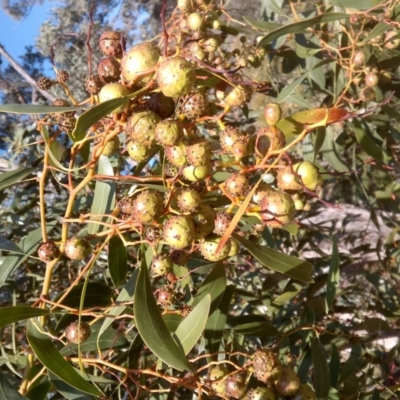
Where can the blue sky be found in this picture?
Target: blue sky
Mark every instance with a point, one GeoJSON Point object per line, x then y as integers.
{"type": "Point", "coordinates": [15, 35]}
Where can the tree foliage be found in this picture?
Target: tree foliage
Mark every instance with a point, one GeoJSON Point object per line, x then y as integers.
{"type": "Point", "coordinates": [217, 218]}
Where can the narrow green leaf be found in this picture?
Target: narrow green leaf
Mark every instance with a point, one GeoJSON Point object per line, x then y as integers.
{"type": "Point", "coordinates": [28, 245]}
{"type": "Point", "coordinates": [366, 142]}
{"type": "Point", "coordinates": [291, 266]}
{"type": "Point", "coordinates": [372, 325]}
{"type": "Point", "coordinates": [68, 391]}
{"type": "Point", "coordinates": [376, 395]}
{"type": "Point", "coordinates": [290, 88]}
{"type": "Point", "coordinates": [216, 324]}
{"type": "Point", "coordinates": [191, 328]}
{"type": "Point", "coordinates": [117, 260]}
{"type": "Point", "coordinates": [334, 365]}
{"type": "Point", "coordinates": [214, 284]}
{"type": "Point", "coordinates": [356, 4]}
{"type": "Point", "coordinates": [9, 315]}
{"type": "Point", "coordinates": [151, 326]}
{"type": "Point", "coordinates": [291, 291]}
{"type": "Point", "coordinates": [97, 294]}
{"type": "Point", "coordinates": [55, 151]}
{"type": "Point", "coordinates": [274, 7]}
{"type": "Point", "coordinates": [301, 26]}
{"type": "Point", "coordinates": [36, 109]}
{"type": "Point", "coordinates": [353, 363]}
{"type": "Point", "coordinates": [378, 29]}
{"type": "Point", "coordinates": [50, 357]}
{"type": "Point", "coordinates": [39, 391]}
{"type": "Point", "coordinates": [14, 177]}
{"type": "Point", "coordinates": [257, 329]}
{"type": "Point", "coordinates": [263, 25]}
{"type": "Point", "coordinates": [7, 391]}
{"type": "Point", "coordinates": [104, 195]}
{"type": "Point", "coordinates": [331, 153]}
{"type": "Point", "coordinates": [321, 370]}
{"type": "Point", "coordinates": [7, 245]}
{"type": "Point", "coordinates": [333, 276]}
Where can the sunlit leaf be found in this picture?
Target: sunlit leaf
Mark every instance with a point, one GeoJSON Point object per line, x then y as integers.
{"type": "Point", "coordinates": [151, 326]}
{"type": "Point", "coordinates": [366, 142]}
{"type": "Point", "coordinates": [333, 275]}
{"type": "Point", "coordinates": [191, 328]}
{"type": "Point", "coordinates": [7, 245]}
{"type": "Point", "coordinates": [263, 25]}
{"type": "Point", "coordinates": [301, 26]}
{"type": "Point", "coordinates": [352, 365]}
{"type": "Point", "coordinates": [9, 315]}
{"type": "Point", "coordinates": [321, 369]}
{"type": "Point", "coordinates": [117, 259]}
{"type": "Point", "coordinates": [330, 153]}
{"type": "Point", "coordinates": [216, 324]}
{"type": "Point", "coordinates": [68, 391]}
{"type": "Point", "coordinates": [28, 245]}
{"type": "Point", "coordinates": [50, 357]}
{"type": "Point", "coordinates": [291, 266]}
{"type": "Point", "coordinates": [104, 195]}
{"type": "Point", "coordinates": [356, 4]}
{"type": "Point", "coordinates": [14, 177]}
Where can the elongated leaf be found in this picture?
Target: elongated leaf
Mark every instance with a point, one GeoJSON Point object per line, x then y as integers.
{"type": "Point", "coordinates": [321, 370]}
{"type": "Point", "coordinates": [288, 90]}
{"type": "Point", "coordinates": [331, 154]}
{"type": "Point", "coordinates": [214, 285]}
{"type": "Point", "coordinates": [49, 356]}
{"type": "Point", "coordinates": [117, 260]}
{"type": "Point", "coordinates": [68, 391]}
{"type": "Point", "coordinates": [14, 177]}
{"type": "Point", "coordinates": [39, 391]}
{"type": "Point", "coordinates": [373, 325]}
{"type": "Point", "coordinates": [333, 276]}
{"type": "Point", "coordinates": [356, 4]}
{"type": "Point", "coordinates": [35, 109]}
{"type": "Point", "coordinates": [301, 26]}
{"type": "Point", "coordinates": [366, 142]}
{"type": "Point", "coordinates": [7, 245]}
{"type": "Point", "coordinates": [7, 391]}
{"type": "Point", "coordinates": [28, 245]}
{"type": "Point", "coordinates": [334, 366]}
{"type": "Point", "coordinates": [191, 328]}
{"type": "Point", "coordinates": [151, 326]}
{"type": "Point", "coordinates": [216, 324]}
{"type": "Point", "coordinates": [97, 294]}
{"type": "Point", "coordinates": [353, 363]}
{"type": "Point", "coordinates": [263, 25]}
{"type": "Point", "coordinates": [9, 315]}
{"type": "Point", "coordinates": [257, 329]}
{"type": "Point", "coordinates": [104, 195]}
{"type": "Point", "coordinates": [291, 266]}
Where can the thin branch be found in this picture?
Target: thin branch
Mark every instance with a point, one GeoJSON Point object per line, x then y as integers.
{"type": "Point", "coordinates": [24, 75]}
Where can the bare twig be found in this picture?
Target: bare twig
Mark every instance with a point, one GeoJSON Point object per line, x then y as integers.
{"type": "Point", "coordinates": [24, 74]}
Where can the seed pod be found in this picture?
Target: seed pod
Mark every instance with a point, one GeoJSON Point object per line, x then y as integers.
{"type": "Point", "coordinates": [161, 264]}
{"type": "Point", "coordinates": [240, 148]}
{"type": "Point", "coordinates": [204, 221]}
{"type": "Point", "coordinates": [237, 184]}
{"type": "Point", "coordinates": [272, 113]}
{"type": "Point", "coordinates": [195, 174]}
{"type": "Point", "coordinates": [162, 105]}
{"type": "Point", "coordinates": [179, 231]}
{"type": "Point", "coordinates": [367, 94]}
{"type": "Point", "coordinates": [208, 248]}
{"type": "Point", "coordinates": [392, 40]}
{"type": "Point", "coordinates": [44, 83]}
{"type": "Point", "coordinates": [48, 251]}
{"type": "Point", "coordinates": [193, 105]}
{"type": "Point", "coordinates": [261, 191]}
{"type": "Point", "coordinates": [114, 91]}
{"type": "Point", "coordinates": [222, 221]}
{"type": "Point", "coordinates": [304, 392]}
{"type": "Point", "coordinates": [168, 132]}
{"type": "Point", "coordinates": [141, 126]}
{"type": "Point", "coordinates": [77, 248]}
{"type": "Point", "coordinates": [198, 153]}
{"type": "Point", "coordinates": [359, 58]}
{"type": "Point", "coordinates": [179, 257]}
{"type": "Point", "coordinates": [108, 70]}
{"type": "Point", "coordinates": [218, 373]}
{"type": "Point", "coordinates": [112, 43]}
{"type": "Point", "coordinates": [277, 208]}
{"type": "Point", "coordinates": [93, 84]}
{"type": "Point", "coordinates": [165, 296]}
{"type": "Point", "coordinates": [188, 200]}
{"type": "Point", "coordinates": [77, 333]}
{"type": "Point", "coordinates": [185, 6]}
{"type": "Point", "coordinates": [139, 151]}
{"type": "Point", "coordinates": [269, 139]}
{"type": "Point", "coordinates": [371, 79]}
{"type": "Point", "coordinates": [62, 76]}
{"type": "Point", "coordinates": [237, 96]}
{"type": "Point", "coordinates": [260, 393]}
{"type": "Point", "coordinates": [111, 147]}
{"type": "Point", "coordinates": [176, 155]}
{"type": "Point", "coordinates": [210, 44]}
{"type": "Point", "coordinates": [125, 206]}
{"type": "Point", "coordinates": [235, 247]}
{"type": "Point", "coordinates": [138, 62]}
{"type": "Point", "coordinates": [147, 206]}
{"type": "Point", "coordinates": [267, 367]}
{"type": "Point", "coordinates": [176, 76]}
{"type": "Point", "coordinates": [228, 137]}
{"type": "Point", "coordinates": [235, 385]}
{"type": "Point", "coordinates": [194, 21]}
{"type": "Point", "coordinates": [288, 383]}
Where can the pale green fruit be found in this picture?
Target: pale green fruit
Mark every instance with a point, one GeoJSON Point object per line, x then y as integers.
{"type": "Point", "coordinates": [179, 231]}
{"type": "Point", "coordinates": [309, 173]}
{"type": "Point", "coordinates": [77, 248]}
{"type": "Point", "coordinates": [114, 91]}
{"type": "Point", "coordinates": [139, 151]}
{"type": "Point", "coordinates": [141, 126]}
{"type": "Point", "coordinates": [136, 61]}
{"type": "Point", "coordinates": [208, 248]}
{"type": "Point", "coordinates": [260, 393]}
{"type": "Point", "coordinates": [235, 247]}
{"type": "Point", "coordinates": [218, 373]}
{"type": "Point", "coordinates": [195, 174]}
{"type": "Point", "coordinates": [277, 208]}
{"type": "Point", "coordinates": [176, 76]}
{"type": "Point", "coordinates": [194, 21]}
{"type": "Point", "coordinates": [305, 392]}
{"type": "Point", "coordinates": [288, 383]}
{"type": "Point", "coordinates": [147, 206]}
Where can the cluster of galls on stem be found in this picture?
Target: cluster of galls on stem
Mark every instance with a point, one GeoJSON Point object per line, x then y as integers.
{"type": "Point", "coordinates": [272, 379]}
